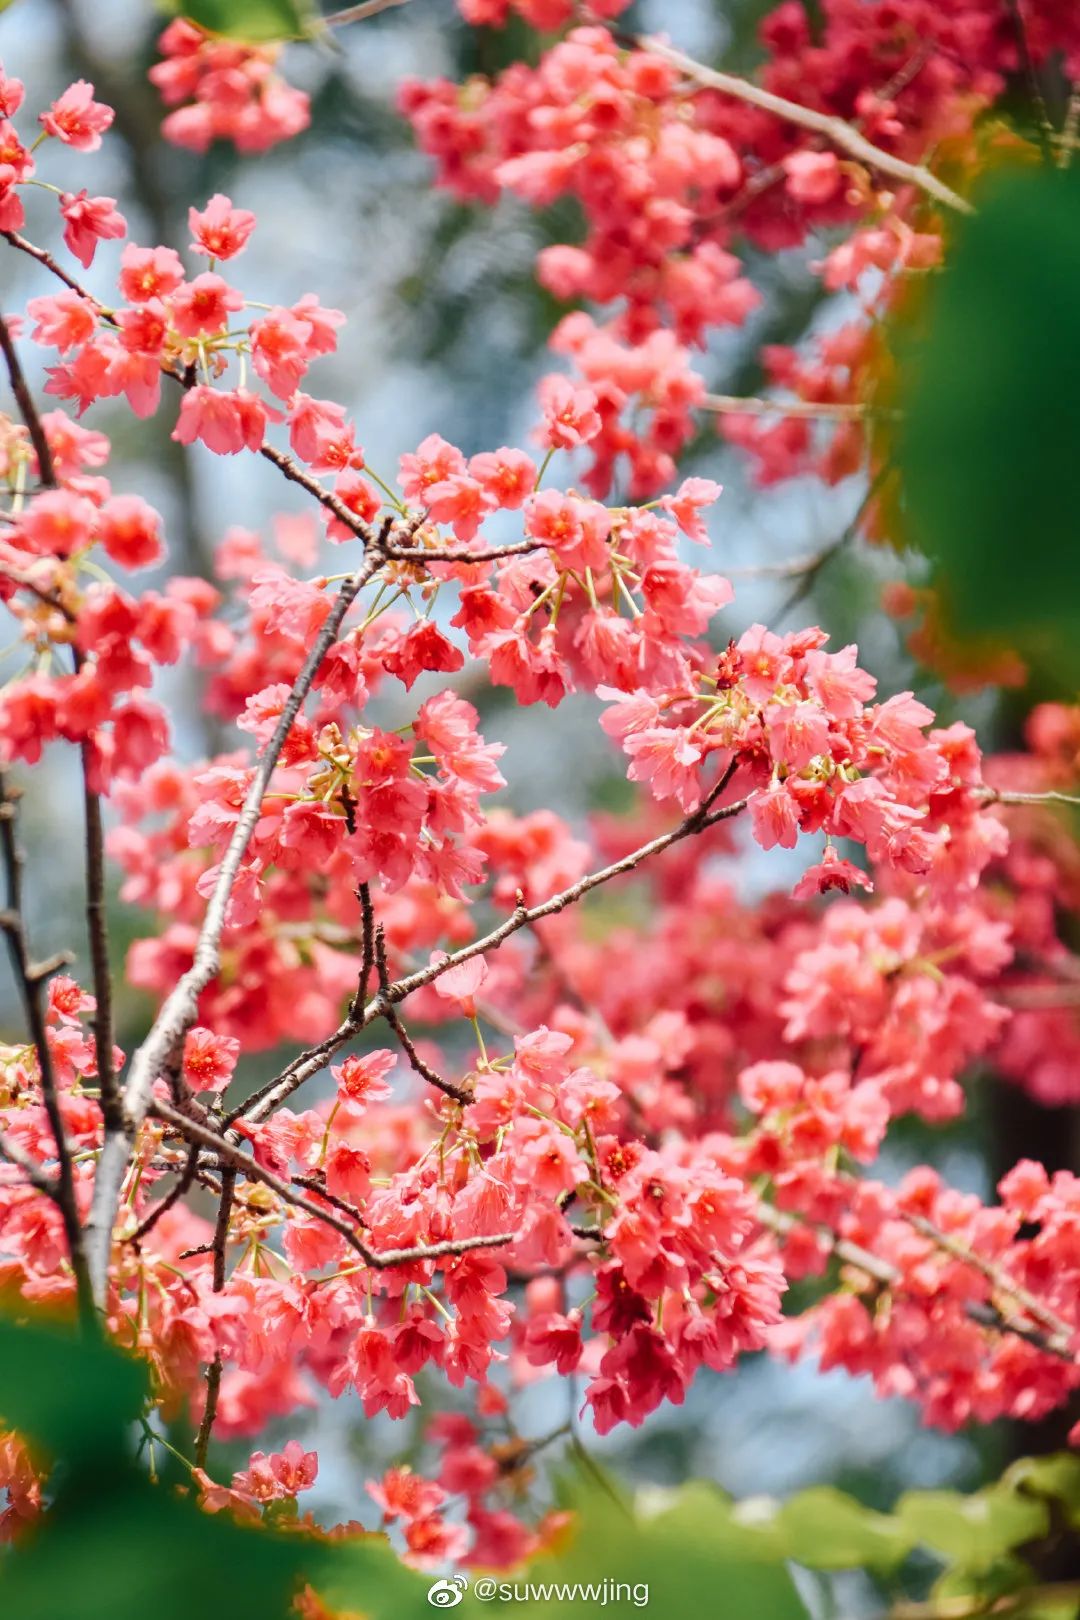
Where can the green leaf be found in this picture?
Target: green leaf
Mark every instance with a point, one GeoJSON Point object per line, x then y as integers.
{"type": "Point", "coordinates": [990, 429]}
{"type": "Point", "coordinates": [825, 1529]}
{"type": "Point", "coordinates": [676, 1551]}
{"type": "Point", "coordinates": [71, 1395]}
{"type": "Point", "coordinates": [972, 1531]}
{"type": "Point", "coordinates": [1056, 1478]}
{"type": "Point", "coordinates": [256, 21]}
{"type": "Point", "coordinates": [116, 1547]}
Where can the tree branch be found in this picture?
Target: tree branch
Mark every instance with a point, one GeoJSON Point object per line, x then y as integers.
{"type": "Point", "coordinates": [27, 408]}
{"type": "Point", "coordinates": [405, 1040]}
{"type": "Point", "coordinates": [888, 1275]}
{"type": "Point", "coordinates": [214, 1371]}
{"type": "Point", "coordinates": [378, 1259]}
{"type": "Point", "coordinates": [741, 405]}
{"type": "Point", "coordinates": [360, 13]}
{"type": "Point", "coordinates": [96, 918]}
{"type": "Point", "coordinates": [178, 1012]}
{"type": "Point", "coordinates": [841, 134]}
{"type": "Point", "coordinates": [311, 1061]}
{"type": "Point", "coordinates": [29, 979]}
{"type": "Point", "coordinates": [35, 1173]}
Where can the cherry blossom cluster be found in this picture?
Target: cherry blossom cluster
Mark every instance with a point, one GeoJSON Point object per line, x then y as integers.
{"type": "Point", "coordinates": [221, 89]}
{"type": "Point", "coordinates": [914, 1318]}
{"type": "Point", "coordinates": [674, 174]}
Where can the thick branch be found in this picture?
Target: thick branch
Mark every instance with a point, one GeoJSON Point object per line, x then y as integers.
{"type": "Point", "coordinates": [841, 134]}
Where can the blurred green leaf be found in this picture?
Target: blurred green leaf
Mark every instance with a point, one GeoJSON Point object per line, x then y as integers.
{"type": "Point", "coordinates": [988, 442]}
{"type": "Point", "coordinates": [825, 1529]}
{"type": "Point", "coordinates": [116, 1547]}
{"type": "Point", "coordinates": [677, 1551]}
{"type": "Point", "coordinates": [1056, 1478]}
{"type": "Point", "coordinates": [257, 21]}
{"type": "Point", "coordinates": [972, 1531]}
{"type": "Point", "coordinates": [70, 1395]}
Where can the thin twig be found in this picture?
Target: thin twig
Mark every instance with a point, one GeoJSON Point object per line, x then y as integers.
{"type": "Point", "coordinates": [405, 1040]}
{"type": "Point", "coordinates": [214, 1371]}
{"type": "Point", "coordinates": [841, 134]}
{"type": "Point", "coordinates": [889, 1276]}
{"type": "Point", "coordinates": [461, 554]}
{"type": "Point", "coordinates": [748, 405]}
{"type": "Point", "coordinates": [35, 1173]}
{"type": "Point", "coordinates": [378, 1259]}
{"type": "Point", "coordinates": [97, 928]}
{"type": "Point", "coordinates": [999, 1280]}
{"type": "Point", "coordinates": [360, 13]}
{"type": "Point", "coordinates": [314, 1059]}
{"type": "Point", "coordinates": [96, 917]}
{"type": "Point", "coordinates": [173, 1196]}
{"type": "Point", "coordinates": [1003, 796]}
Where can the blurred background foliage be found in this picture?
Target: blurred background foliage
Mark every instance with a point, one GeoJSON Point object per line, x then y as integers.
{"type": "Point", "coordinates": [446, 333]}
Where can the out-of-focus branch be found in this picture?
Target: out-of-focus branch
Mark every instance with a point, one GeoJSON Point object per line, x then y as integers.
{"type": "Point", "coordinates": [30, 978]}
{"type": "Point", "coordinates": [835, 130]}
{"type": "Point", "coordinates": [360, 13]}
{"type": "Point", "coordinates": [1051, 796]}
{"type": "Point", "coordinates": [34, 1173]}
{"type": "Point", "coordinates": [1056, 1343]}
{"type": "Point", "coordinates": [27, 409]}
{"type": "Point", "coordinates": [744, 405]}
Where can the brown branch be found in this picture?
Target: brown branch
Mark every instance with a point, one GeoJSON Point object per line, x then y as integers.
{"type": "Point", "coordinates": [835, 130]}
{"type": "Point", "coordinates": [360, 13]}
{"type": "Point", "coordinates": [314, 1059]}
{"type": "Point", "coordinates": [378, 1259]}
{"type": "Point", "coordinates": [96, 917]}
{"type": "Point", "coordinates": [44, 257]}
{"type": "Point", "coordinates": [97, 928]}
{"type": "Point", "coordinates": [1056, 1326]}
{"type": "Point", "coordinates": [172, 1197]}
{"type": "Point", "coordinates": [739, 405]}
{"type": "Point", "coordinates": [889, 1276]}
{"type": "Point", "coordinates": [179, 1010]}
{"type": "Point", "coordinates": [213, 1374]}
{"type": "Point", "coordinates": [35, 1173]}
{"type": "Point", "coordinates": [29, 979]}
{"type": "Point", "coordinates": [461, 554]}
{"type": "Point", "coordinates": [96, 920]}
{"type": "Point", "coordinates": [27, 408]}
{"type": "Point", "coordinates": [1051, 796]}
{"type": "Point", "coordinates": [405, 1040]}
